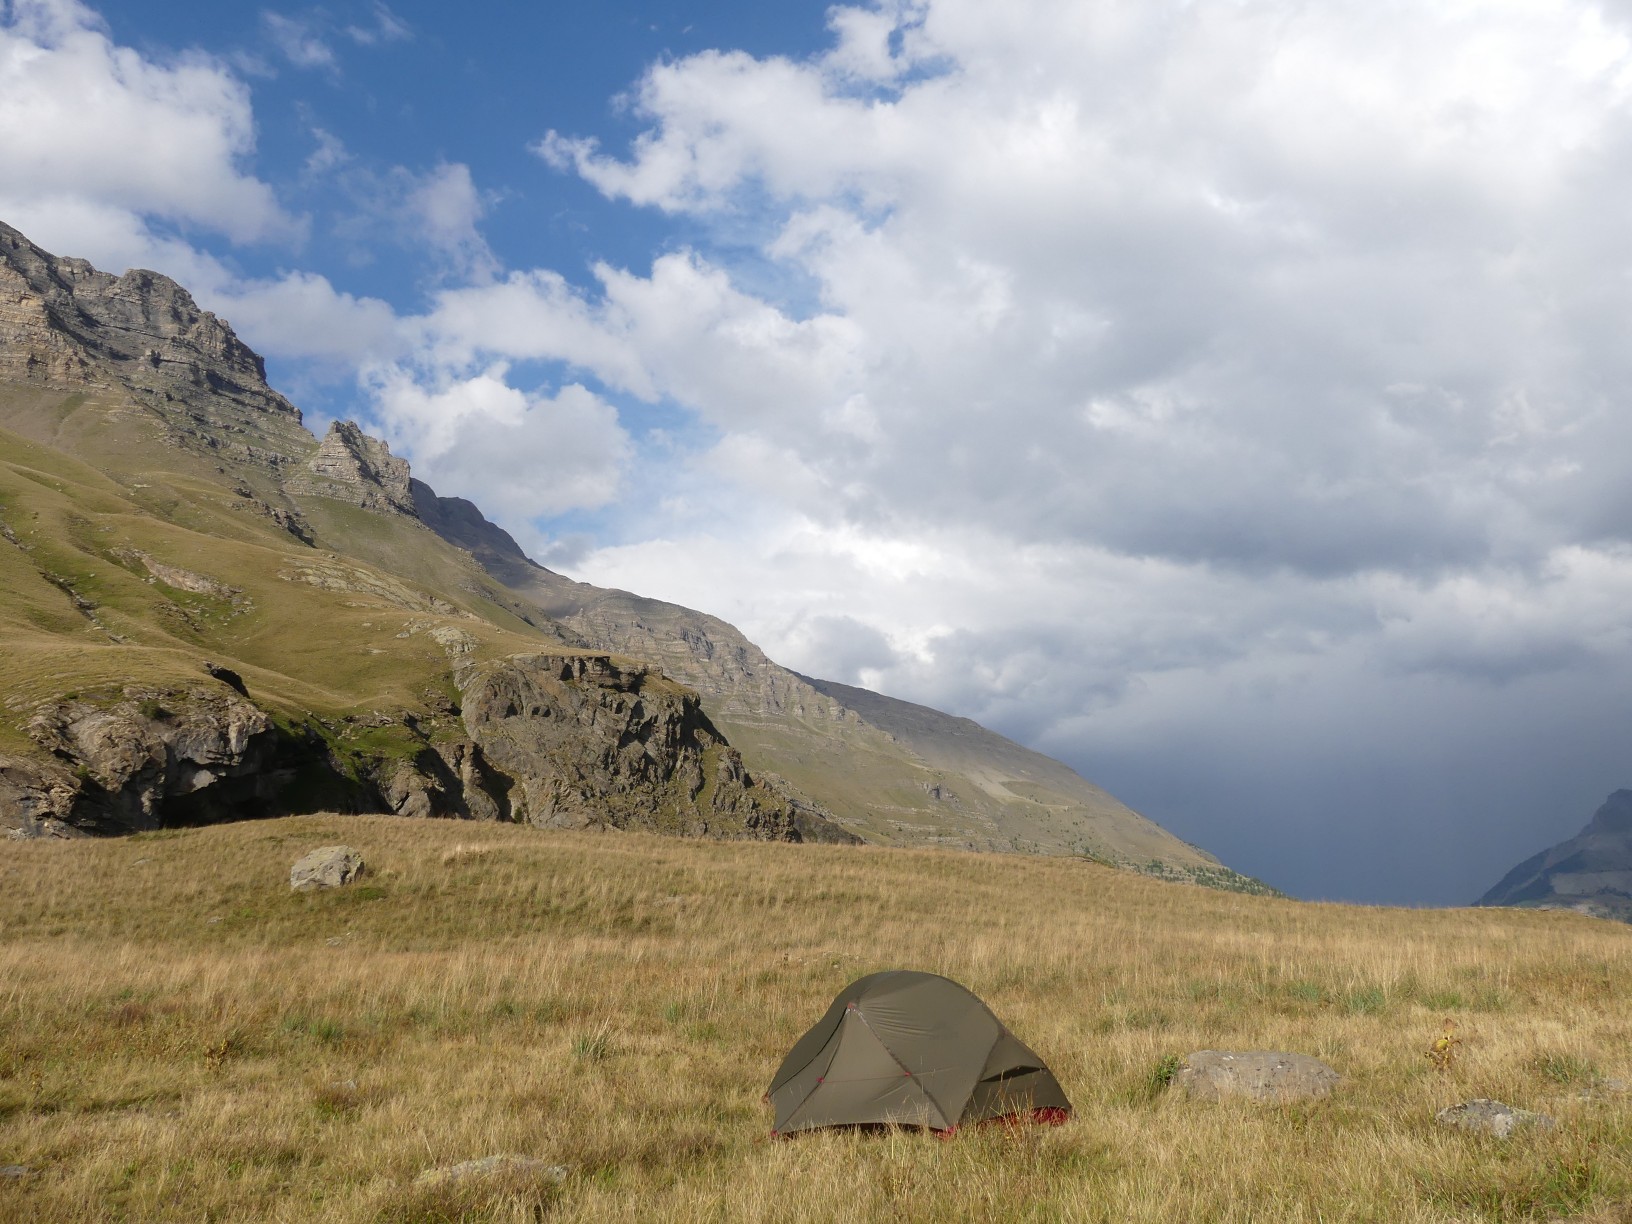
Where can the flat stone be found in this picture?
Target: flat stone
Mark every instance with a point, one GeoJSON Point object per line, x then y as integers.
{"type": "Point", "coordinates": [1254, 1075]}
{"type": "Point", "coordinates": [494, 1166]}
{"type": "Point", "coordinates": [15, 1171]}
{"type": "Point", "coordinates": [326, 867]}
{"type": "Point", "coordinates": [1483, 1116]}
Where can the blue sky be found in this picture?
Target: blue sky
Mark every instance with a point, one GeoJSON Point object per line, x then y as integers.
{"type": "Point", "coordinates": [417, 85]}
{"type": "Point", "coordinates": [1226, 398]}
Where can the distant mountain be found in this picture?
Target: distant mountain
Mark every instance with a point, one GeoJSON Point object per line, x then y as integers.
{"type": "Point", "coordinates": [1591, 872]}
{"type": "Point", "coordinates": [206, 612]}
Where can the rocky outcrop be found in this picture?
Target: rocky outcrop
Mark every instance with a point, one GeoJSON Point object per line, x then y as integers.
{"type": "Point", "coordinates": [151, 757]}
{"type": "Point", "coordinates": [447, 777]}
{"type": "Point", "coordinates": [36, 798]}
{"type": "Point", "coordinates": [589, 741]}
{"type": "Point", "coordinates": [175, 576]}
{"type": "Point", "coordinates": [555, 740]}
{"type": "Point", "coordinates": [64, 323]}
{"type": "Point", "coordinates": [1591, 872]}
{"type": "Point", "coordinates": [354, 467]}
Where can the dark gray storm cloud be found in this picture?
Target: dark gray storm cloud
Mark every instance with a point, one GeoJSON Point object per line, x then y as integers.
{"type": "Point", "coordinates": [1399, 793]}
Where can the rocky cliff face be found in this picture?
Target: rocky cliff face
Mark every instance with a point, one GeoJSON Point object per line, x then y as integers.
{"type": "Point", "coordinates": [586, 741]}
{"type": "Point", "coordinates": [1591, 872]}
{"type": "Point", "coordinates": [62, 321]}
{"type": "Point", "coordinates": [352, 467]}
{"type": "Point", "coordinates": [553, 740]}
{"type": "Point", "coordinates": [65, 325]}
{"type": "Point", "coordinates": [144, 758]}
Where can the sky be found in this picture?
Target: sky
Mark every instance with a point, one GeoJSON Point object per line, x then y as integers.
{"type": "Point", "coordinates": [1226, 397]}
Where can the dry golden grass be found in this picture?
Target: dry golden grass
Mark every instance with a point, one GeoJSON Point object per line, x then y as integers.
{"type": "Point", "coordinates": [181, 1038]}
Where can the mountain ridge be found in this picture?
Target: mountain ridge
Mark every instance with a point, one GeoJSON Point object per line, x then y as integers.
{"type": "Point", "coordinates": [127, 374]}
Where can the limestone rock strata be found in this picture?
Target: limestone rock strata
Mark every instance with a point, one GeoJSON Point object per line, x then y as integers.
{"type": "Point", "coordinates": [354, 467]}
{"type": "Point", "coordinates": [140, 340]}
{"type": "Point", "coordinates": [63, 321]}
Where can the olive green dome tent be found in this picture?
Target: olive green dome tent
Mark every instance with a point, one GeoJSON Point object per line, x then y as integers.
{"type": "Point", "coordinates": [912, 1049]}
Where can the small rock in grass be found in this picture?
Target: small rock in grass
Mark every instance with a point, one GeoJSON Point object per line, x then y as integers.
{"type": "Point", "coordinates": [493, 1166]}
{"type": "Point", "coordinates": [1257, 1075]}
{"type": "Point", "coordinates": [1596, 1092]}
{"type": "Point", "coordinates": [1483, 1116]}
{"type": "Point", "coordinates": [15, 1171]}
{"type": "Point", "coordinates": [326, 867]}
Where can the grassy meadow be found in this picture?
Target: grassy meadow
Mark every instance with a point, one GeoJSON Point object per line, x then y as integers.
{"type": "Point", "coordinates": [183, 1038]}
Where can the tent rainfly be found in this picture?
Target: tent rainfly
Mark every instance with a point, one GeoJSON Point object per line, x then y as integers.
{"type": "Point", "coordinates": [910, 1049]}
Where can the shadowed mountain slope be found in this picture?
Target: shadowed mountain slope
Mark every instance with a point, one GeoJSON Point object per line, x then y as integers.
{"type": "Point", "coordinates": [1591, 872]}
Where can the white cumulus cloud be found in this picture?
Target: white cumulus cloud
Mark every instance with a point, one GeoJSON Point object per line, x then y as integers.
{"type": "Point", "coordinates": [517, 455]}
{"type": "Point", "coordinates": [86, 124]}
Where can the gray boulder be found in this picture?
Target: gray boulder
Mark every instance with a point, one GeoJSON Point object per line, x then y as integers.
{"type": "Point", "coordinates": [1256, 1075]}
{"type": "Point", "coordinates": [326, 867]}
{"type": "Point", "coordinates": [1482, 1116]}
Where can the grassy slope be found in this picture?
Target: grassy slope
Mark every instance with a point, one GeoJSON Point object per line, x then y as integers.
{"type": "Point", "coordinates": [1044, 802]}
{"type": "Point", "coordinates": [331, 649]}
{"type": "Point", "coordinates": [182, 1038]}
